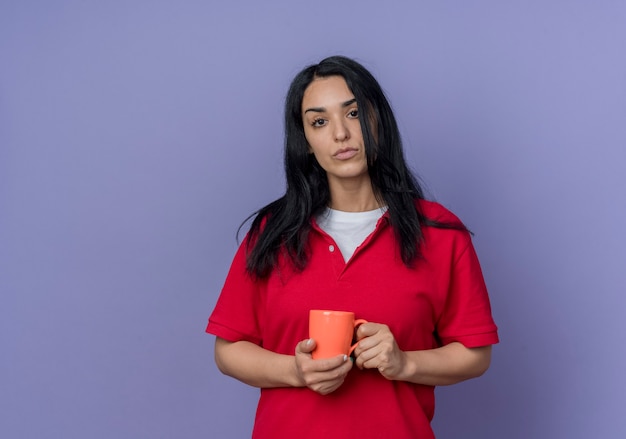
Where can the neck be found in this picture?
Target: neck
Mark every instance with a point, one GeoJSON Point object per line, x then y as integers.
{"type": "Point", "coordinates": [353, 196]}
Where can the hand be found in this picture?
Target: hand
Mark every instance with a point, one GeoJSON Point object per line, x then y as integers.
{"type": "Point", "coordinates": [322, 376]}
{"type": "Point", "coordinates": [377, 349]}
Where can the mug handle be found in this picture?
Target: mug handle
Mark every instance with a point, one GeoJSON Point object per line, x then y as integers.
{"type": "Point", "coordinates": [357, 322]}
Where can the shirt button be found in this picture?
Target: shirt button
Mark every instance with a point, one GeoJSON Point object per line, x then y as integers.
{"type": "Point", "coordinates": [331, 248]}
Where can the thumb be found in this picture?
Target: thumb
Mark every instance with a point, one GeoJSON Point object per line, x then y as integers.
{"type": "Point", "coordinates": [306, 346]}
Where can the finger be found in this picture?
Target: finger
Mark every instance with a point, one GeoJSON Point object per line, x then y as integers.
{"type": "Point", "coordinates": [323, 366]}
{"type": "Point", "coordinates": [372, 363]}
{"type": "Point", "coordinates": [327, 381]}
{"type": "Point", "coordinates": [331, 380]}
{"type": "Point", "coordinates": [329, 364]}
{"type": "Point", "coordinates": [327, 387]}
{"type": "Point", "coordinates": [367, 343]}
{"type": "Point", "coordinates": [305, 346]}
{"type": "Point", "coordinates": [368, 329]}
{"type": "Point", "coordinates": [364, 357]}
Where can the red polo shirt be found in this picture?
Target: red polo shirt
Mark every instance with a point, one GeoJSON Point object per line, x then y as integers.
{"type": "Point", "coordinates": [441, 299]}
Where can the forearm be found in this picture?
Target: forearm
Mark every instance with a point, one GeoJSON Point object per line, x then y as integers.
{"type": "Point", "coordinates": [443, 366]}
{"type": "Point", "coordinates": [254, 365]}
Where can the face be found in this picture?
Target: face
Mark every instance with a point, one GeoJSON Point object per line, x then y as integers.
{"type": "Point", "coordinates": [333, 130]}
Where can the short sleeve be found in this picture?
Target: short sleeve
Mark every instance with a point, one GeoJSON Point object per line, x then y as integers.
{"type": "Point", "coordinates": [239, 308]}
{"type": "Point", "coordinates": [466, 317]}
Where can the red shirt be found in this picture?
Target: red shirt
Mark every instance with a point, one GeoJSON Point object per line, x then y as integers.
{"type": "Point", "coordinates": [441, 299]}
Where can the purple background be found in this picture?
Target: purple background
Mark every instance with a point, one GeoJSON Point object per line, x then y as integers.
{"type": "Point", "coordinates": [136, 136]}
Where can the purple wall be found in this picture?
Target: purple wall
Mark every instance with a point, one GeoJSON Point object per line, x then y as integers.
{"type": "Point", "coordinates": [135, 137]}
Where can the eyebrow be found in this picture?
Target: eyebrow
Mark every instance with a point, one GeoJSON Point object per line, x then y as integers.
{"type": "Point", "coordinates": [323, 109]}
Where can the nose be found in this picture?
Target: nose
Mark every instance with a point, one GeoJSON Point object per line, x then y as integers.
{"type": "Point", "coordinates": [341, 131]}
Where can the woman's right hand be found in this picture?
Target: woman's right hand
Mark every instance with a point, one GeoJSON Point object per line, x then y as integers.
{"type": "Point", "coordinates": [322, 376]}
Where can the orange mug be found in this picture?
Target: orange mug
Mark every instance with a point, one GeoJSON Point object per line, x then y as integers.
{"type": "Point", "coordinates": [333, 332]}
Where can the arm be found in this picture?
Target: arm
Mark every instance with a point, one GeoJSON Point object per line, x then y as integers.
{"type": "Point", "coordinates": [260, 367]}
{"type": "Point", "coordinates": [442, 366]}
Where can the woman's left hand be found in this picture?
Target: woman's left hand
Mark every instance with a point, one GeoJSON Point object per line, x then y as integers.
{"type": "Point", "coordinates": [377, 349]}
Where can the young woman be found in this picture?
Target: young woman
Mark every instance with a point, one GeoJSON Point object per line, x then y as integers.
{"type": "Point", "coordinates": [352, 232]}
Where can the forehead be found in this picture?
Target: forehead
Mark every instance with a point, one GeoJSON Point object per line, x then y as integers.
{"type": "Point", "coordinates": [326, 92]}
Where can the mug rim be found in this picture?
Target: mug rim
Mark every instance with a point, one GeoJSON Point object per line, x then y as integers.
{"type": "Point", "coordinates": [330, 311]}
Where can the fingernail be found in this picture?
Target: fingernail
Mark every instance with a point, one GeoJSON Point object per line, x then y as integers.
{"type": "Point", "coordinates": [308, 342]}
{"type": "Point", "coordinates": [345, 358]}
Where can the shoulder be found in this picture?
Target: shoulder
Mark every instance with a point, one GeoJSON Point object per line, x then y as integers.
{"type": "Point", "coordinates": [434, 211]}
{"type": "Point", "coordinates": [444, 234]}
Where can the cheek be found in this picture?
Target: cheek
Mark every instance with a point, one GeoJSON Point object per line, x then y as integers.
{"type": "Point", "coordinates": [315, 152]}
{"type": "Point", "coordinates": [313, 141]}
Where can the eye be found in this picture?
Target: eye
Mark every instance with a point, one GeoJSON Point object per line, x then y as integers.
{"type": "Point", "coordinates": [354, 114]}
{"type": "Point", "coordinates": [319, 122]}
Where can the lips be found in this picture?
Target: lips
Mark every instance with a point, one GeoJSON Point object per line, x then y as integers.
{"type": "Point", "coordinates": [345, 153]}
